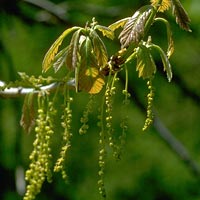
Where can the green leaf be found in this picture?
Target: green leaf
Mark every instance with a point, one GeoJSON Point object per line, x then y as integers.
{"type": "Point", "coordinates": [118, 24]}
{"type": "Point", "coordinates": [73, 51]}
{"type": "Point", "coordinates": [28, 113]}
{"type": "Point", "coordinates": [145, 63]}
{"type": "Point", "coordinates": [170, 48]}
{"type": "Point", "coordinates": [50, 55]}
{"type": "Point", "coordinates": [106, 31]}
{"type": "Point", "coordinates": [89, 78]}
{"type": "Point", "coordinates": [165, 61]}
{"type": "Point", "coordinates": [60, 59]}
{"type": "Point", "coordinates": [99, 48]}
{"type": "Point", "coordinates": [182, 18]}
{"type": "Point", "coordinates": [136, 27]}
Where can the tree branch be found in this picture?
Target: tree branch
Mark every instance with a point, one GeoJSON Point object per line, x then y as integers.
{"type": "Point", "coordinates": [14, 92]}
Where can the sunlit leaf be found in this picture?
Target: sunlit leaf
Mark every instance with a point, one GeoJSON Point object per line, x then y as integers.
{"type": "Point", "coordinates": [182, 18]}
{"type": "Point", "coordinates": [145, 64]}
{"type": "Point", "coordinates": [73, 51]}
{"type": "Point", "coordinates": [118, 24]}
{"type": "Point", "coordinates": [106, 31]}
{"type": "Point", "coordinates": [89, 78]}
{"type": "Point", "coordinates": [99, 49]}
{"type": "Point", "coordinates": [170, 49]}
{"type": "Point", "coordinates": [60, 59]}
{"type": "Point", "coordinates": [28, 113]}
{"type": "Point", "coordinates": [165, 61]}
{"type": "Point", "coordinates": [50, 55]}
{"type": "Point", "coordinates": [135, 27]}
{"type": "Point", "coordinates": [163, 6]}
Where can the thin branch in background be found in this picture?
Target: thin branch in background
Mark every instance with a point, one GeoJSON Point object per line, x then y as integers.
{"type": "Point", "coordinates": [168, 137]}
{"type": "Point", "coordinates": [59, 11]}
{"type": "Point", "coordinates": [176, 146]}
{"type": "Point", "coordinates": [97, 10]}
{"type": "Point", "coordinates": [180, 83]}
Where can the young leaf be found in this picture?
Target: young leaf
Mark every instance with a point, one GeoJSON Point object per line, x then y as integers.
{"type": "Point", "coordinates": [145, 63]}
{"type": "Point", "coordinates": [165, 61]}
{"type": "Point", "coordinates": [162, 6]}
{"type": "Point", "coordinates": [50, 55]}
{"type": "Point", "coordinates": [73, 51]}
{"type": "Point", "coordinates": [28, 114]}
{"type": "Point", "coordinates": [106, 31]}
{"type": "Point", "coordinates": [134, 29]}
{"type": "Point", "coordinates": [60, 59]}
{"type": "Point", "coordinates": [170, 48]}
{"type": "Point", "coordinates": [118, 24]}
{"type": "Point", "coordinates": [99, 49]}
{"type": "Point", "coordinates": [182, 18]}
{"type": "Point", "coordinates": [89, 78]}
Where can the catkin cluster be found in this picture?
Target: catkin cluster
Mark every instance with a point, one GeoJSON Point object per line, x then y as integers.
{"type": "Point", "coordinates": [84, 119]}
{"type": "Point", "coordinates": [67, 134]}
{"type": "Point", "coordinates": [40, 158]}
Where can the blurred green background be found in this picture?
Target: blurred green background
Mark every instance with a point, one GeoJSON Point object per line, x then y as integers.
{"type": "Point", "coordinates": [149, 168]}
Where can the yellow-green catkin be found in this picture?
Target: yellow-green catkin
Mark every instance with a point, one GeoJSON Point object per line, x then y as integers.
{"type": "Point", "coordinates": [84, 119]}
{"type": "Point", "coordinates": [110, 91]}
{"type": "Point", "coordinates": [67, 134]}
{"type": "Point", "coordinates": [120, 141]}
{"type": "Point", "coordinates": [102, 162]}
{"type": "Point", "coordinates": [40, 158]}
{"type": "Point", "coordinates": [123, 124]}
{"type": "Point", "coordinates": [102, 152]}
{"type": "Point", "coordinates": [150, 96]}
{"type": "Point", "coordinates": [101, 173]}
{"type": "Point", "coordinates": [109, 96]}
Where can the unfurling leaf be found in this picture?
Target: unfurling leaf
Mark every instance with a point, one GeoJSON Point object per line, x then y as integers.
{"type": "Point", "coordinates": [182, 18]}
{"type": "Point", "coordinates": [165, 61]}
{"type": "Point", "coordinates": [118, 24]}
{"type": "Point", "coordinates": [60, 59]}
{"type": "Point", "coordinates": [162, 6]}
{"type": "Point", "coordinates": [99, 49]}
{"type": "Point", "coordinates": [166, 64]}
{"type": "Point", "coordinates": [145, 63]}
{"type": "Point", "coordinates": [170, 48]}
{"type": "Point", "coordinates": [89, 78]}
{"type": "Point", "coordinates": [106, 31]}
{"type": "Point", "coordinates": [28, 114]}
{"type": "Point", "coordinates": [73, 51]}
{"type": "Point", "coordinates": [50, 55]}
{"type": "Point", "coordinates": [136, 26]}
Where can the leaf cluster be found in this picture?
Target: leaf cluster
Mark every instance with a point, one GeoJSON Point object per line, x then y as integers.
{"type": "Point", "coordinates": [83, 57]}
{"type": "Point", "coordinates": [86, 58]}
